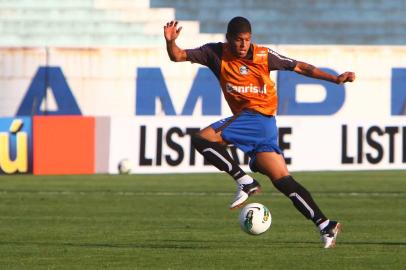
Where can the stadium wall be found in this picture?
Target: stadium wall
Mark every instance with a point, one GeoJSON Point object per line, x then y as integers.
{"type": "Point", "coordinates": [69, 111]}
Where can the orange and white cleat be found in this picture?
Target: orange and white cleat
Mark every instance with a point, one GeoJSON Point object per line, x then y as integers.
{"type": "Point", "coordinates": [329, 234]}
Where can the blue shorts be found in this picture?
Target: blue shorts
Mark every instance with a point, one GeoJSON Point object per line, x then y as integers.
{"type": "Point", "coordinates": [250, 132]}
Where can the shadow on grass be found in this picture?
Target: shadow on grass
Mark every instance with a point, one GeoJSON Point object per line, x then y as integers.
{"type": "Point", "coordinates": [197, 244]}
{"type": "Point", "coordinates": [174, 245]}
{"type": "Point", "coordinates": [290, 243]}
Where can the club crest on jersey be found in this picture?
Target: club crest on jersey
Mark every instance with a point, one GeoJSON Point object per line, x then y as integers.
{"type": "Point", "coordinates": [243, 70]}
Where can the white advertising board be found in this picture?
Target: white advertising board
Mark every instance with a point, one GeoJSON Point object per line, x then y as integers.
{"type": "Point", "coordinates": [155, 145]}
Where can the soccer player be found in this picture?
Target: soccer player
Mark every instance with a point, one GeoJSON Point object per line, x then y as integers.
{"type": "Point", "coordinates": [242, 69]}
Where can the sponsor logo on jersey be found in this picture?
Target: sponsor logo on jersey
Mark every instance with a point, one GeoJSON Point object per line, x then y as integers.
{"type": "Point", "coordinates": [262, 54]}
{"type": "Point", "coordinates": [246, 89]}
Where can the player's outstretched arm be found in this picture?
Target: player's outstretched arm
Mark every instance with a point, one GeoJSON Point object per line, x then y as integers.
{"type": "Point", "coordinates": [171, 33]}
{"type": "Point", "coordinates": [311, 71]}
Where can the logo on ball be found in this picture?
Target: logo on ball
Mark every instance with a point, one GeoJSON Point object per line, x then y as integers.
{"type": "Point", "coordinates": [255, 218]}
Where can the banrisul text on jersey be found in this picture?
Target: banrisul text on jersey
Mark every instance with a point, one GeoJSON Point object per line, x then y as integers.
{"type": "Point", "coordinates": [246, 89]}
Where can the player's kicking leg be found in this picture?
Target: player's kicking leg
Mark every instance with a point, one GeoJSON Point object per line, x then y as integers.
{"type": "Point", "coordinates": [211, 146]}
{"type": "Point", "coordinates": [273, 165]}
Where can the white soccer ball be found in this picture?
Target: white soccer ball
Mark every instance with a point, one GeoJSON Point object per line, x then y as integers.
{"type": "Point", "coordinates": [255, 218]}
{"type": "Point", "coordinates": [124, 166]}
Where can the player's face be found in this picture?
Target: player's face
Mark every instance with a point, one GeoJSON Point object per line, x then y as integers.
{"type": "Point", "coordinates": [240, 44]}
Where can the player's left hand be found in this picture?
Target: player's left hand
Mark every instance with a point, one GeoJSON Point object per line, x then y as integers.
{"type": "Point", "coordinates": [347, 76]}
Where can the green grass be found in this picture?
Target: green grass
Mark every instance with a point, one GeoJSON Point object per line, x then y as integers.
{"type": "Point", "coordinates": [183, 222]}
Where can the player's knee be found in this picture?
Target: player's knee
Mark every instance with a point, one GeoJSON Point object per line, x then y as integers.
{"type": "Point", "coordinates": [276, 177]}
{"type": "Point", "coordinates": [197, 141]}
{"type": "Point", "coordinates": [282, 178]}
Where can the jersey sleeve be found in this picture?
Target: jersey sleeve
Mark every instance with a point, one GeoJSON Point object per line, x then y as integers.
{"type": "Point", "coordinates": [208, 55]}
{"type": "Point", "coordinates": [280, 62]}
{"type": "Point", "coordinates": [204, 54]}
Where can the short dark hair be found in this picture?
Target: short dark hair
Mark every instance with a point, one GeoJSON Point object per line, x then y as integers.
{"type": "Point", "coordinates": [238, 25]}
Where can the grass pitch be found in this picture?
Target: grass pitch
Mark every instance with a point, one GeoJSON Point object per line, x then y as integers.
{"type": "Point", "coordinates": [183, 222]}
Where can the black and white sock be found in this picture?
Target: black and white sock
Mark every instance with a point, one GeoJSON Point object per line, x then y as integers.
{"type": "Point", "coordinates": [323, 224]}
{"type": "Point", "coordinates": [218, 156]}
{"type": "Point", "coordinates": [301, 199]}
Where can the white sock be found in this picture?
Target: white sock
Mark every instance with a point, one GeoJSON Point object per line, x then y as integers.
{"type": "Point", "coordinates": [323, 224]}
{"type": "Point", "coordinates": [246, 179]}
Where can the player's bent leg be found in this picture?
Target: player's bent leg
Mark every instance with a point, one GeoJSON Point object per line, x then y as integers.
{"type": "Point", "coordinates": [273, 165]}
{"type": "Point", "coordinates": [212, 147]}
{"type": "Point", "coordinates": [301, 198]}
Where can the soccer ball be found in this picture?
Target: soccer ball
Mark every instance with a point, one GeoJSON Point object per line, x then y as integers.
{"type": "Point", "coordinates": [124, 166]}
{"type": "Point", "coordinates": [255, 218]}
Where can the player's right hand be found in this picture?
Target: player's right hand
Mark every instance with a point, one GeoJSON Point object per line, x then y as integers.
{"type": "Point", "coordinates": [346, 77]}
{"type": "Point", "coordinates": [170, 31]}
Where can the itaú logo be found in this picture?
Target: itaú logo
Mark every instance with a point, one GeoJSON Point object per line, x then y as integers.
{"type": "Point", "coordinates": [246, 89]}
{"type": "Point", "coordinates": [20, 148]}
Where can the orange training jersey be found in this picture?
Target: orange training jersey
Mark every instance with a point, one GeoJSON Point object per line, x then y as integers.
{"type": "Point", "coordinates": [246, 83]}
